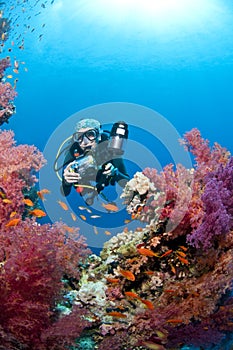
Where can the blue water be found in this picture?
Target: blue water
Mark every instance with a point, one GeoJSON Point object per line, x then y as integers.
{"type": "Point", "coordinates": [180, 68]}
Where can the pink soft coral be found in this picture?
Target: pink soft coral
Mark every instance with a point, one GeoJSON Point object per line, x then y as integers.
{"type": "Point", "coordinates": [33, 260]}
{"type": "Point", "coordinates": [7, 93]}
{"type": "Point", "coordinates": [16, 172]}
{"type": "Point", "coordinates": [20, 159]}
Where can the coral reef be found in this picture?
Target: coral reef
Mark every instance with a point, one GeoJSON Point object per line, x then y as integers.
{"type": "Point", "coordinates": [37, 262]}
{"type": "Point", "coordinates": [163, 286]}
{"type": "Point", "coordinates": [168, 284]}
{"type": "Point", "coordinates": [7, 93]}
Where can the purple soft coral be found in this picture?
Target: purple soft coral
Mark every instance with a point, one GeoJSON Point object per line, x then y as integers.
{"type": "Point", "coordinates": [217, 199]}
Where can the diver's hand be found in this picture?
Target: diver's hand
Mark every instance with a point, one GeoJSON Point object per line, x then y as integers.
{"type": "Point", "coordinates": [70, 175]}
{"type": "Point", "coordinates": [109, 170]}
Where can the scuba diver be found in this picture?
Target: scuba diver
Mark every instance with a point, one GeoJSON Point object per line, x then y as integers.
{"type": "Point", "coordinates": [94, 156]}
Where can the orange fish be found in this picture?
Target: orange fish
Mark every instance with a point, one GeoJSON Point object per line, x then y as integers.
{"type": "Point", "coordinates": [108, 233]}
{"type": "Point", "coordinates": [116, 314]}
{"type": "Point", "coordinates": [83, 217]}
{"type": "Point", "coordinates": [73, 216]}
{"type": "Point", "coordinates": [42, 192]}
{"type": "Point", "coordinates": [13, 213]}
{"type": "Point", "coordinates": [13, 222]}
{"type": "Point", "coordinates": [149, 272]}
{"type": "Point", "coordinates": [110, 207]}
{"type": "Point", "coordinates": [174, 320]}
{"type": "Point", "coordinates": [38, 213]}
{"type": "Point", "coordinates": [28, 202]}
{"type": "Point", "coordinates": [146, 252]}
{"type": "Point", "coordinates": [181, 254]}
{"type": "Point", "coordinates": [148, 304]}
{"type": "Point", "coordinates": [127, 274]}
{"type": "Point", "coordinates": [132, 295]}
{"type": "Point", "coordinates": [173, 269]}
{"type": "Point", "coordinates": [63, 205]}
{"type": "Point", "coordinates": [184, 248]}
{"type": "Point", "coordinates": [112, 280]}
{"type": "Point", "coordinates": [69, 229]}
{"type": "Point", "coordinates": [166, 253]}
{"type": "Point", "coordinates": [184, 261]}
{"type": "Point", "coordinates": [45, 191]}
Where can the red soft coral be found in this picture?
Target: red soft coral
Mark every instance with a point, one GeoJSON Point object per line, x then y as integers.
{"type": "Point", "coordinates": [33, 260]}
{"type": "Point", "coordinates": [30, 278]}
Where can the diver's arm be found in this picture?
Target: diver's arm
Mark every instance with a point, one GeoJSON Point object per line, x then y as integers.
{"type": "Point", "coordinates": [119, 174]}
{"type": "Point", "coordinates": [71, 174]}
{"type": "Point", "coordinates": [65, 188]}
{"type": "Point", "coordinates": [69, 159]}
{"type": "Point", "coordinates": [69, 178]}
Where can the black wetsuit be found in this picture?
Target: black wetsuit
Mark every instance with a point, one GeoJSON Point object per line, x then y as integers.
{"type": "Point", "coordinates": [103, 156]}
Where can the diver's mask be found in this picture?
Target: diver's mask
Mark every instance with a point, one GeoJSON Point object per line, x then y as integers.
{"type": "Point", "coordinates": [91, 135]}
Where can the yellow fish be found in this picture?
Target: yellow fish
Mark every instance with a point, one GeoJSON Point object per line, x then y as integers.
{"type": "Point", "coordinates": [7, 201]}
{"type": "Point", "coordinates": [116, 314]}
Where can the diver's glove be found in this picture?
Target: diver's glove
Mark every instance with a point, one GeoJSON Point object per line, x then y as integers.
{"type": "Point", "coordinates": [110, 170]}
{"type": "Point", "coordinates": [71, 174]}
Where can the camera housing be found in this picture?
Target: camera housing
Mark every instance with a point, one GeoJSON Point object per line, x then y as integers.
{"type": "Point", "coordinates": [85, 165]}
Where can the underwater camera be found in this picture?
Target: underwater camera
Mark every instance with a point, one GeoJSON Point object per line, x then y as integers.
{"type": "Point", "coordinates": [88, 164]}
